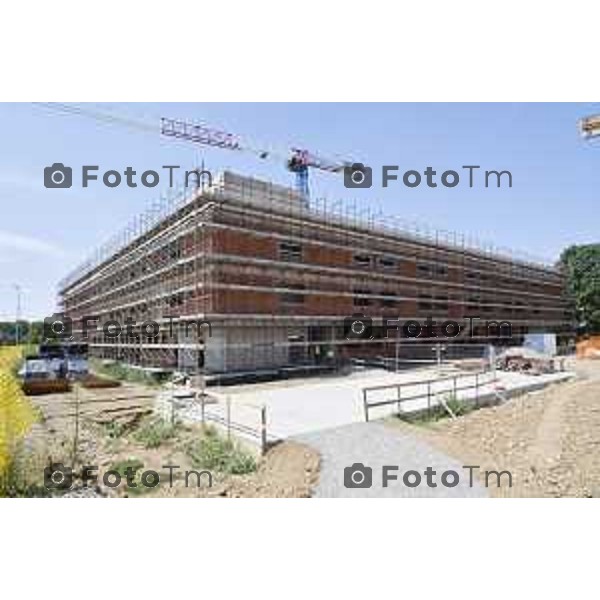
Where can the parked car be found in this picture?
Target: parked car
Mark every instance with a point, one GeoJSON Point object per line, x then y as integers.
{"type": "Point", "coordinates": [77, 367]}
{"type": "Point", "coordinates": [38, 369]}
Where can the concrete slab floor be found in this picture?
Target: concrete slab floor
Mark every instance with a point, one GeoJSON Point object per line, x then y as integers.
{"type": "Point", "coordinates": [299, 407]}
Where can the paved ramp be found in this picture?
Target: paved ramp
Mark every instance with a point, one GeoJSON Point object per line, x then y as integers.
{"type": "Point", "coordinates": [376, 445]}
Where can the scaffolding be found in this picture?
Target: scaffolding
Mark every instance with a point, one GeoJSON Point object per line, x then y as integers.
{"type": "Point", "coordinates": [250, 257]}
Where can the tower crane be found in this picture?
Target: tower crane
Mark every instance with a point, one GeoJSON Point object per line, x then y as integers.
{"type": "Point", "coordinates": [590, 126]}
{"type": "Point", "coordinates": [298, 161]}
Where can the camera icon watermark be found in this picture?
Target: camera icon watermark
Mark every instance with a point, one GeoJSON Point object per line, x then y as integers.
{"type": "Point", "coordinates": [358, 175]}
{"type": "Point", "coordinates": [358, 327]}
{"type": "Point", "coordinates": [58, 477]}
{"type": "Point", "coordinates": [58, 176]}
{"type": "Point", "coordinates": [58, 327]}
{"type": "Point", "coordinates": [358, 476]}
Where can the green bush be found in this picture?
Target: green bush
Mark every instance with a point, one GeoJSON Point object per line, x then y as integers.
{"type": "Point", "coordinates": [114, 429]}
{"type": "Point", "coordinates": [137, 465]}
{"type": "Point", "coordinates": [122, 466]}
{"type": "Point", "coordinates": [458, 407]}
{"type": "Point", "coordinates": [154, 432]}
{"type": "Point", "coordinates": [121, 372]}
{"type": "Point", "coordinates": [438, 412]}
{"type": "Point", "coordinates": [23, 476]}
{"type": "Point", "coordinates": [216, 453]}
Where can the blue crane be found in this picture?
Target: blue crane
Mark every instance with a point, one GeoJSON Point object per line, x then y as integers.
{"type": "Point", "coordinates": [298, 161]}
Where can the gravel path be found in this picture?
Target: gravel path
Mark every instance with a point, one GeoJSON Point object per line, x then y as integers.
{"type": "Point", "coordinates": [375, 445]}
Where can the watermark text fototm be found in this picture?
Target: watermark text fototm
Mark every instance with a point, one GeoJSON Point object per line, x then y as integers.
{"type": "Point", "coordinates": [359, 476]}
{"type": "Point", "coordinates": [58, 175]}
{"type": "Point", "coordinates": [359, 175]}
{"type": "Point", "coordinates": [60, 477]}
{"type": "Point", "coordinates": [360, 327]}
{"type": "Point", "coordinates": [60, 327]}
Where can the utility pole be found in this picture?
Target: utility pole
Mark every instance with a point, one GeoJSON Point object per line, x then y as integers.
{"type": "Point", "coordinates": [17, 313]}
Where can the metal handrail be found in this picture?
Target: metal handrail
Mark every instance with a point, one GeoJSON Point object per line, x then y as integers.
{"type": "Point", "coordinates": [428, 394]}
{"type": "Point", "coordinates": [423, 381]}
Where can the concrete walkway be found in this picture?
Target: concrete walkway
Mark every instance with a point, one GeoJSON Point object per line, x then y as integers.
{"type": "Point", "coordinates": [375, 445]}
{"type": "Point", "coordinates": [296, 407]}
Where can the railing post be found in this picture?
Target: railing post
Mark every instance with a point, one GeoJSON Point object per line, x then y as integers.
{"type": "Point", "coordinates": [76, 436]}
{"type": "Point", "coordinates": [429, 397]}
{"type": "Point", "coordinates": [455, 386]}
{"type": "Point", "coordinates": [477, 389]}
{"type": "Point", "coordinates": [399, 397]}
{"type": "Point", "coordinates": [263, 429]}
{"type": "Point", "coordinates": [172, 403]}
{"type": "Point", "coordinates": [365, 405]}
{"type": "Point", "coordinates": [228, 417]}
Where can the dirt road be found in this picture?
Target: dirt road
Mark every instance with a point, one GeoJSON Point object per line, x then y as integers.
{"type": "Point", "coordinates": [549, 440]}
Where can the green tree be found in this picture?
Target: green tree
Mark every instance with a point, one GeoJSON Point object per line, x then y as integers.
{"type": "Point", "coordinates": [582, 267]}
{"type": "Point", "coordinates": [29, 331]}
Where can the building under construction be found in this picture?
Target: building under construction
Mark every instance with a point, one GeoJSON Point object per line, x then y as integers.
{"type": "Point", "coordinates": [279, 277]}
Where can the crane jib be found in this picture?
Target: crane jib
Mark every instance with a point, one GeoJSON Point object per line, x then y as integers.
{"type": "Point", "coordinates": [199, 134]}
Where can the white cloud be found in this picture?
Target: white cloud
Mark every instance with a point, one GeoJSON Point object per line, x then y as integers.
{"type": "Point", "coordinates": [21, 180]}
{"type": "Point", "coordinates": [23, 243]}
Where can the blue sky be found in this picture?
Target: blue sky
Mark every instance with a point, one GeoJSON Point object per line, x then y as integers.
{"type": "Point", "coordinates": [554, 200]}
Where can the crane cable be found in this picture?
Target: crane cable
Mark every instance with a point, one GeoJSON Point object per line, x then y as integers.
{"type": "Point", "coordinates": [145, 126]}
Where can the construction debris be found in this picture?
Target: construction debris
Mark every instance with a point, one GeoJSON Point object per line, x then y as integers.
{"type": "Point", "coordinates": [526, 360]}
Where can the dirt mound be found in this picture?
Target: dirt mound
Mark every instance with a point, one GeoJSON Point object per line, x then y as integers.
{"type": "Point", "coordinates": [548, 440]}
{"type": "Point", "coordinates": [289, 470]}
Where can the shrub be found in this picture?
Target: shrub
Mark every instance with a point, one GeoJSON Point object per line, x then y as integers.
{"type": "Point", "coordinates": [121, 372]}
{"type": "Point", "coordinates": [438, 412]}
{"type": "Point", "coordinates": [22, 475]}
{"type": "Point", "coordinates": [154, 432]}
{"type": "Point", "coordinates": [216, 453]}
{"type": "Point", "coordinates": [137, 465]}
{"type": "Point", "coordinates": [129, 463]}
{"type": "Point", "coordinates": [114, 429]}
{"type": "Point", "coordinates": [458, 407]}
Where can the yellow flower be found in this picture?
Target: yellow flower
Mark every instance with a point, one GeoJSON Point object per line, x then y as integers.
{"type": "Point", "coordinates": [16, 413]}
